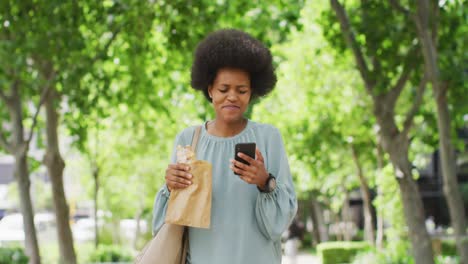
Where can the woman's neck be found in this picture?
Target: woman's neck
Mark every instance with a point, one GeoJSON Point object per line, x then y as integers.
{"type": "Point", "coordinates": [222, 129]}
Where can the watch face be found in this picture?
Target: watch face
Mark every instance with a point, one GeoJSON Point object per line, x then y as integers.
{"type": "Point", "coordinates": [272, 184]}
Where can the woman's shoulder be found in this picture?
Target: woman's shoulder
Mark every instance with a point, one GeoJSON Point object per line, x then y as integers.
{"type": "Point", "coordinates": [265, 128]}
{"type": "Point", "coordinates": [186, 134]}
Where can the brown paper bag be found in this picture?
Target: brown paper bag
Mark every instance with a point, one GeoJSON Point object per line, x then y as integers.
{"type": "Point", "coordinates": [192, 206]}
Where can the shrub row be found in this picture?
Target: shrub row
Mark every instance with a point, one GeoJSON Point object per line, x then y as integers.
{"type": "Point", "coordinates": [340, 251]}
{"type": "Point", "coordinates": [13, 256]}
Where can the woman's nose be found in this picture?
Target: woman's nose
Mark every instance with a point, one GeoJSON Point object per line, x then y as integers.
{"type": "Point", "coordinates": [232, 96]}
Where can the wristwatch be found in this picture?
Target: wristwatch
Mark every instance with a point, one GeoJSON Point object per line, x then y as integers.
{"type": "Point", "coordinates": [270, 184]}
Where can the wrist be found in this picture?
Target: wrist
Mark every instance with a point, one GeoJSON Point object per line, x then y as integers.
{"type": "Point", "coordinates": [263, 183]}
{"type": "Point", "coordinates": [269, 186]}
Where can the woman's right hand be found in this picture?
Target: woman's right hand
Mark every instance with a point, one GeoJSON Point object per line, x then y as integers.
{"type": "Point", "coordinates": [178, 176]}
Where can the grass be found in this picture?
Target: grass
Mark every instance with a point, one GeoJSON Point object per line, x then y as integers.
{"type": "Point", "coordinates": [50, 252]}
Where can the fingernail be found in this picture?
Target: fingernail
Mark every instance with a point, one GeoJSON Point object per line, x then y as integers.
{"type": "Point", "coordinates": [187, 169]}
{"type": "Point", "coordinates": [189, 182]}
{"type": "Point", "coordinates": [190, 176]}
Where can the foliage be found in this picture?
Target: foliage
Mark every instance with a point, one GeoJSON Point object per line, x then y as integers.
{"type": "Point", "coordinates": [400, 255]}
{"type": "Point", "coordinates": [464, 191]}
{"type": "Point", "coordinates": [340, 252]}
{"type": "Point", "coordinates": [382, 257]}
{"type": "Point", "coordinates": [109, 254]}
{"type": "Point", "coordinates": [448, 248]}
{"type": "Point", "coordinates": [307, 106]}
{"type": "Point", "coordinates": [390, 205]}
{"type": "Point", "coordinates": [12, 256]}
{"type": "Point", "coordinates": [447, 260]}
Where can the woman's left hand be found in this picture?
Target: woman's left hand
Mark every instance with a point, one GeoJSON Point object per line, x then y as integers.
{"type": "Point", "coordinates": [255, 173]}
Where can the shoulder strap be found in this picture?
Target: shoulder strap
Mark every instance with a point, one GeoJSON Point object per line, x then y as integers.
{"type": "Point", "coordinates": [196, 136]}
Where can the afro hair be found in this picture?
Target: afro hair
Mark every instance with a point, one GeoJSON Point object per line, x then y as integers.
{"type": "Point", "coordinates": [234, 49]}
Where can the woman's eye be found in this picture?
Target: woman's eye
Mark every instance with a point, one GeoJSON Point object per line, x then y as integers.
{"type": "Point", "coordinates": [242, 92]}
{"type": "Point", "coordinates": [223, 90]}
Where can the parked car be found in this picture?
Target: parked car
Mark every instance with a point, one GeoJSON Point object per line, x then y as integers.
{"type": "Point", "coordinates": [11, 227]}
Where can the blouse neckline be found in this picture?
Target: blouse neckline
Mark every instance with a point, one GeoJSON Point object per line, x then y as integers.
{"type": "Point", "coordinates": [217, 138]}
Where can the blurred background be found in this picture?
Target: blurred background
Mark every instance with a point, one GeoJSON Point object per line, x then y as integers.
{"type": "Point", "coordinates": [371, 101]}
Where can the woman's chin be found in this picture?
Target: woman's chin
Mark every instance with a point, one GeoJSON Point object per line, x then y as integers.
{"type": "Point", "coordinates": [232, 119]}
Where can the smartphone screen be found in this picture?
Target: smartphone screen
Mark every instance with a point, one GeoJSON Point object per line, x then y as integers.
{"type": "Point", "coordinates": [246, 148]}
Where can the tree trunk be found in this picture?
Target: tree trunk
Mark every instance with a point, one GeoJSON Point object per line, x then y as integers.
{"type": "Point", "coordinates": [137, 230]}
{"type": "Point", "coordinates": [413, 208]}
{"type": "Point", "coordinates": [96, 204]}
{"type": "Point", "coordinates": [450, 186]}
{"type": "Point", "coordinates": [22, 177]}
{"type": "Point", "coordinates": [316, 239]}
{"type": "Point", "coordinates": [55, 166]}
{"type": "Point", "coordinates": [345, 217]}
{"type": "Point", "coordinates": [380, 220]}
{"type": "Point", "coordinates": [366, 197]}
{"type": "Point", "coordinates": [451, 191]}
{"type": "Point", "coordinates": [322, 228]}
{"type": "Point", "coordinates": [411, 197]}
{"type": "Point", "coordinates": [20, 149]}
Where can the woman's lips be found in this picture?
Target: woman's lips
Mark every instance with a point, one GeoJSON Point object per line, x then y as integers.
{"type": "Point", "coordinates": [231, 107]}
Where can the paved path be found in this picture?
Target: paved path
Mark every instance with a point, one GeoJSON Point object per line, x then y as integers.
{"type": "Point", "coordinates": [303, 258]}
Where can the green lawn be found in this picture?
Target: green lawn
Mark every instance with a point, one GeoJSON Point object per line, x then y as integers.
{"type": "Point", "coordinates": [50, 255]}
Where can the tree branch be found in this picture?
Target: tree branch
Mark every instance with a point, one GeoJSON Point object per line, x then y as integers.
{"type": "Point", "coordinates": [414, 108]}
{"type": "Point", "coordinates": [44, 95]}
{"type": "Point", "coordinates": [7, 99]}
{"type": "Point", "coordinates": [399, 7]}
{"type": "Point", "coordinates": [353, 45]}
{"type": "Point", "coordinates": [103, 52]}
{"type": "Point", "coordinates": [435, 22]}
{"type": "Point", "coordinates": [394, 93]}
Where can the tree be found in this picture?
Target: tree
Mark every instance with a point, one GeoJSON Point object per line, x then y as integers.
{"type": "Point", "coordinates": [427, 20]}
{"type": "Point", "coordinates": [20, 88]}
{"type": "Point", "coordinates": [317, 123]}
{"type": "Point", "coordinates": [382, 53]}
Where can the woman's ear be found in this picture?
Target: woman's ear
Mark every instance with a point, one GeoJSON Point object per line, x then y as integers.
{"type": "Point", "coordinates": [210, 87]}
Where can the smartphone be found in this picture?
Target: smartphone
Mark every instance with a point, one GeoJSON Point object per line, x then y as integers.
{"type": "Point", "coordinates": [246, 148]}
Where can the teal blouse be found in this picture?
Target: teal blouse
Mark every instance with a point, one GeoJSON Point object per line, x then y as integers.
{"type": "Point", "coordinates": [246, 224]}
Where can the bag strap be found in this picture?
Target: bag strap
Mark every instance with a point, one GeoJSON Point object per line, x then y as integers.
{"type": "Point", "coordinates": [185, 236]}
{"type": "Point", "coordinates": [196, 136]}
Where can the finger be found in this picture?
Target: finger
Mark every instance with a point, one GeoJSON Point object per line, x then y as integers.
{"type": "Point", "coordinates": [246, 179]}
{"type": "Point", "coordinates": [181, 180]}
{"type": "Point", "coordinates": [259, 155]}
{"type": "Point", "coordinates": [246, 158]}
{"type": "Point", "coordinates": [237, 170]}
{"type": "Point", "coordinates": [239, 164]}
{"type": "Point", "coordinates": [180, 166]}
{"type": "Point", "coordinates": [180, 173]}
{"type": "Point", "coordinates": [176, 185]}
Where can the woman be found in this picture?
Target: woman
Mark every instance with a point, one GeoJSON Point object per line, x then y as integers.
{"type": "Point", "coordinates": [252, 204]}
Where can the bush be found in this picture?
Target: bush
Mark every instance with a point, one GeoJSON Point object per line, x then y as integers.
{"type": "Point", "coordinates": [341, 252]}
{"type": "Point", "coordinates": [109, 254]}
{"type": "Point", "coordinates": [381, 257]}
{"type": "Point", "coordinates": [367, 258]}
{"type": "Point", "coordinates": [13, 256]}
{"type": "Point", "coordinates": [449, 248]}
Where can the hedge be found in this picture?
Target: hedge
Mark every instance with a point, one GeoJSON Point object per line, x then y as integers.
{"type": "Point", "coordinates": [341, 251]}
{"type": "Point", "coordinates": [12, 255]}
{"type": "Point", "coordinates": [105, 253]}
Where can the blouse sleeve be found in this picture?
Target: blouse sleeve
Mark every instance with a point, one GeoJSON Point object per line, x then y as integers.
{"type": "Point", "coordinates": [162, 197]}
{"type": "Point", "coordinates": [275, 210]}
